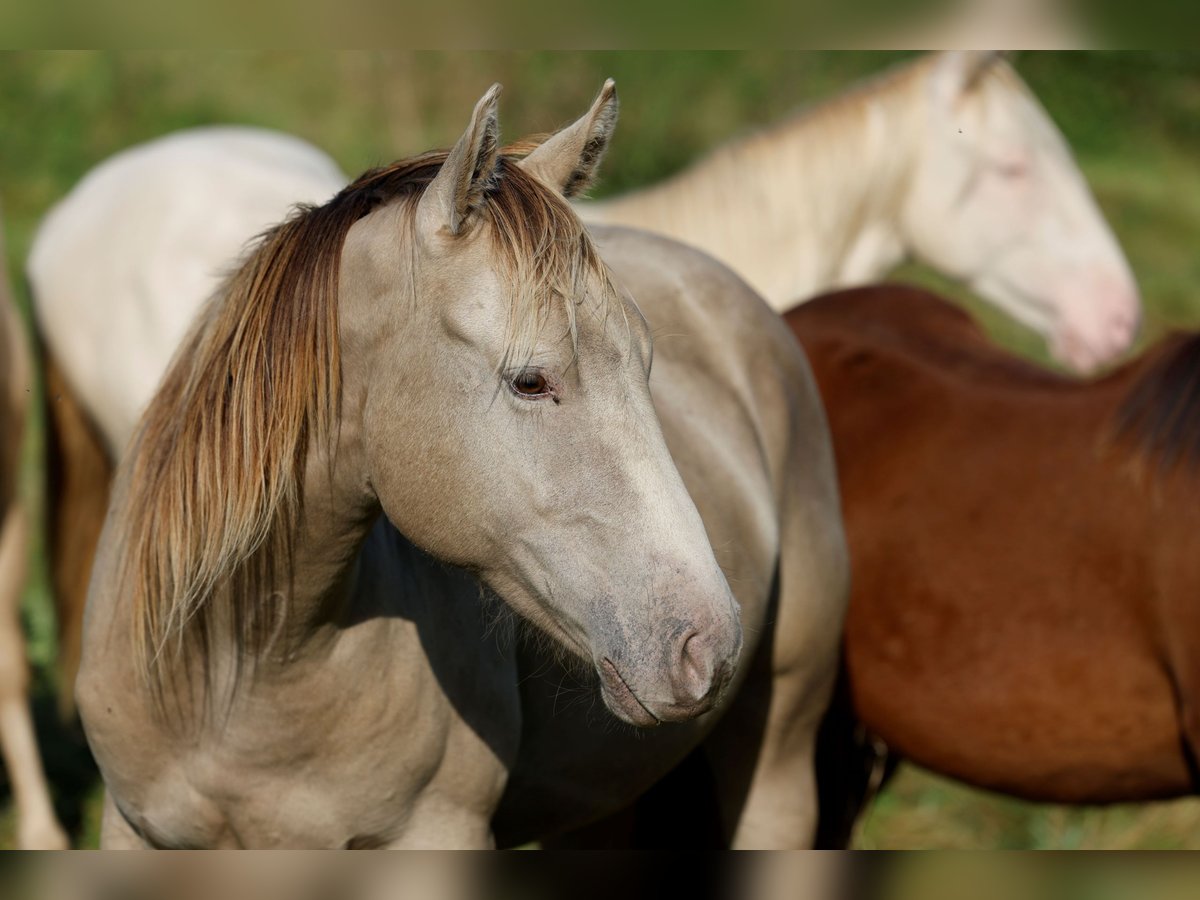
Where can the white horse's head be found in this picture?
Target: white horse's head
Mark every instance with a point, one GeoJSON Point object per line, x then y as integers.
{"type": "Point", "coordinates": [998, 201]}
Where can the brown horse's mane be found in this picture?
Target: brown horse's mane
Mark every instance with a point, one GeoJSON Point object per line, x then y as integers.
{"type": "Point", "coordinates": [923, 330]}
{"type": "Point", "coordinates": [1160, 414]}
{"type": "Point", "coordinates": [215, 485]}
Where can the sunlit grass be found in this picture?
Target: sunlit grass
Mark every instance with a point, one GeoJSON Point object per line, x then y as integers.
{"type": "Point", "coordinates": [922, 810]}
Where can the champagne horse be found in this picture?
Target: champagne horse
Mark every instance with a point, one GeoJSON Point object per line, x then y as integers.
{"type": "Point", "coordinates": [436, 376]}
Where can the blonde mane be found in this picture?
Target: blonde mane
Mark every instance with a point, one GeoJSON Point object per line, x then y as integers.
{"type": "Point", "coordinates": [816, 176]}
{"type": "Point", "coordinates": [216, 485]}
{"type": "Point", "coordinates": [879, 106]}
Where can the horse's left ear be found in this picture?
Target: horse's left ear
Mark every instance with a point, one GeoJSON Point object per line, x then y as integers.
{"type": "Point", "coordinates": [568, 161]}
{"type": "Point", "coordinates": [957, 72]}
{"type": "Point", "coordinates": [457, 191]}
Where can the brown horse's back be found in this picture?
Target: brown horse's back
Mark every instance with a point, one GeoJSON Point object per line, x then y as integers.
{"type": "Point", "coordinates": [1014, 557]}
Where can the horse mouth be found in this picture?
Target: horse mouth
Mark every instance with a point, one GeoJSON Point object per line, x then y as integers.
{"type": "Point", "coordinates": [621, 699]}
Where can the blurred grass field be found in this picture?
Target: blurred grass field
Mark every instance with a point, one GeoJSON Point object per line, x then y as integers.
{"type": "Point", "coordinates": [1132, 118]}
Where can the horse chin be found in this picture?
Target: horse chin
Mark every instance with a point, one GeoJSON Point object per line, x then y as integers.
{"type": "Point", "coordinates": [621, 700]}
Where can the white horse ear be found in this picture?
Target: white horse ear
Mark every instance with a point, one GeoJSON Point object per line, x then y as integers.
{"type": "Point", "coordinates": [568, 161]}
{"type": "Point", "coordinates": [458, 189]}
{"type": "Point", "coordinates": [956, 72]}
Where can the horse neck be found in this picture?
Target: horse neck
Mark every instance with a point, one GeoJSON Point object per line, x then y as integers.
{"type": "Point", "coordinates": [307, 602]}
{"type": "Point", "coordinates": [320, 587]}
{"type": "Point", "coordinates": [314, 587]}
{"type": "Point", "coordinates": [810, 204]}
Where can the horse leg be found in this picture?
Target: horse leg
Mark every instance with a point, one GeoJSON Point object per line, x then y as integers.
{"type": "Point", "coordinates": [766, 788]}
{"type": "Point", "coordinates": [38, 827]}
{"type": "Point", "coordinates": [681, 811]}
{"type": "Point", "coordinates": [79, 473]}
{"type": "Point", "coordinates": [751, 784]}
{"type": "Point", "coordinates": [763, 751]}
{"type": "Point", "coordinates": [851, 769]}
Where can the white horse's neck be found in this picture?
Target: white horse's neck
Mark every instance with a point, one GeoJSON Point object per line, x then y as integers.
{"type": "Point", "coordinates": [809, 204]}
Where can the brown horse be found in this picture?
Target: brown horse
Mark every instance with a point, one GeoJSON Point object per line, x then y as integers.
{"type": "Point", "coordinates": [1024, 612]}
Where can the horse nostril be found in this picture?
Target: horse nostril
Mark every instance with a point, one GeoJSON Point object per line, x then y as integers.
{"type": "Point", "coordinates": [693, 678]}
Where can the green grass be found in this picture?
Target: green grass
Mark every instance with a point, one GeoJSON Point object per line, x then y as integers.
{"type": "Point", "coordinates": [942, 876]}
{"type": "Point", "coordinates": [1133, 119]}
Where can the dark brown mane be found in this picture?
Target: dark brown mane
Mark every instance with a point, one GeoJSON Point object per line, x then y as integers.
{"type": "Point", "coordinates": [1160, 415]}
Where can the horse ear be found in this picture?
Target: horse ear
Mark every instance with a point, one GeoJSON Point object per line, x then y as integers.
{"type": "Point", "coordinates": [458, 189]}
{"type": "Point", "coordinates": [956, 72]}
{"type": "Point", "coordinates": [568, 161]}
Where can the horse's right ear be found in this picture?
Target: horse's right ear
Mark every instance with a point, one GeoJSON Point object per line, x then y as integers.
{"type": "Point", "coordinates": [568, 161]}
{"type": "Point", "coordinates": [458, 189]}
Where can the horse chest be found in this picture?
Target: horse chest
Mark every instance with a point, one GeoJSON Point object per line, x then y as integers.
{"type": "Point", "coordinates": [317, 765]}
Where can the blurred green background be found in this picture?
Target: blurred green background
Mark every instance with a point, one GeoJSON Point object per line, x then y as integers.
{"type": "Point", "coordinates": [1133, 120]}
{"type": "Point", "coordinates": [978, 876]}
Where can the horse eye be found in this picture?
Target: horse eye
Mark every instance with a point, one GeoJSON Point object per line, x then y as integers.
{"type": "Point", "coordinates": [530, 383]}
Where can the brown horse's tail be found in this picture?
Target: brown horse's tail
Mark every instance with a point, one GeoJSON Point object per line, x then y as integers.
{"type": "Point", "coordinates": [78, 476]}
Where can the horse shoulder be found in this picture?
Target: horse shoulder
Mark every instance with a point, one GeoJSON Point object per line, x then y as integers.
{"type": "Point", "coordinates": [720, 340]}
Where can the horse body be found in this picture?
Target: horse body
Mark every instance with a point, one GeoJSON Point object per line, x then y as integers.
{"type": "Point", "coordinates": [37, 824]}
{"type": "Point", "coordinates": [949, 160]}
{"type": "Point", "coordinates": [378, 705]}
{"type": "Point", "coordinates": [241, 181]}
{"type": "Point", "coordinates": [1021, 614]}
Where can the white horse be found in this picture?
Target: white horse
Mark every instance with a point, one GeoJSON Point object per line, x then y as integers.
{"type": "Point", "coordinates": [951, 160]}
{"type": "Point", "coordinates": [162, 267]}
